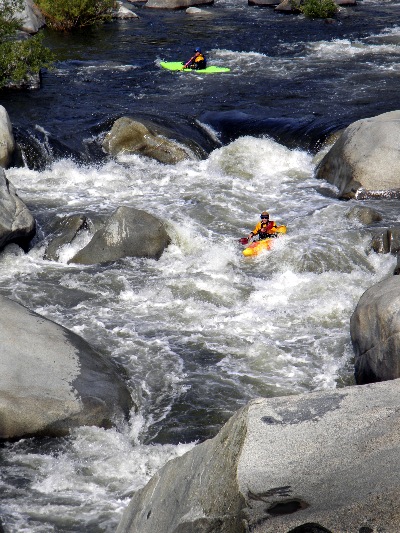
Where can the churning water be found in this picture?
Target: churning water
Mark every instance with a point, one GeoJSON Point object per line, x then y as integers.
{"type": "Point", "coordinates": [204, 329]}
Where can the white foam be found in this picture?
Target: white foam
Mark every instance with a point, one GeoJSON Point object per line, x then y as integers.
{"type": "Point", "coordinates": [271, 325]}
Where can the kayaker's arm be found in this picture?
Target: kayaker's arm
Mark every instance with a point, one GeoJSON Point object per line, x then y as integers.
{"type": "Point", "coordinates": [188, 62]}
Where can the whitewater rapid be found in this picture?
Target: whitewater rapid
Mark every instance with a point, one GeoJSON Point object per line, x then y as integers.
{"type": "Point", "coordinates": [201, 331]}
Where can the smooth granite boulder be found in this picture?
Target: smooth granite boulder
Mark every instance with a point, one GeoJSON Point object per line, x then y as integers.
{"type": "Point", "coordinates": [322, 461]}
{"type": "Point", "coordinates": [128, 232]}
{"type": "Point", "coordinates": [17, 225]}
{"type": "Point", "coordinates": [7, 143]}
{"type": "Point", "coordinates": [375, 332]}
{"type": "Point", "coordinates": [365, 160]}
{"type": "Point", "coordinates": [51, 380]}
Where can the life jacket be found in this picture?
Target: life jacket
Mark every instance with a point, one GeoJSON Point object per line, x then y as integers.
{"type": "Point", "coordinates": [266, 230]}
{"type": "Point", "coordinates": [200, 62]}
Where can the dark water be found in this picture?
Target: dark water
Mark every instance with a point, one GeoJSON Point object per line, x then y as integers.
{"type": "Point", "coordinates": [285, 79]}
{"type": "Point", "coordinates": [203, 330]}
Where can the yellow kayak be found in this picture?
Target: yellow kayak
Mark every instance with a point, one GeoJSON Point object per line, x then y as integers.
{"type": "Point", "coordinates": [256, 247]}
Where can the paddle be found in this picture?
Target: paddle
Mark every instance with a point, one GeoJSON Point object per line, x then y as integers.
{"type": "Point", "coordinates": [188, 62]}
{"type": "Point", "coordinates": [243, 240]}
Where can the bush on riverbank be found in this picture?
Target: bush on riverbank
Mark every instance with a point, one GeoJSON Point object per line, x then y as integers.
{"type": "Point", "coordinates": [70, 14]}
{"type": "Point", "coordinates": [19, 59]}
{"type": "Point", "coordinates": [319, 8]}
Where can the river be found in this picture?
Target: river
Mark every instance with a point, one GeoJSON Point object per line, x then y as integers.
{"type": "Point", "coordinates": [204, 329]}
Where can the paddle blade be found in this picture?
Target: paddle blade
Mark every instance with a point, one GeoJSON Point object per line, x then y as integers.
{"type": "Point", "coordinates": [243, 240]}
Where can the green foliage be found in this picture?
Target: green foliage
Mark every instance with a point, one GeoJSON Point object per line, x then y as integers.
{"type": "Point", "coordinates": [18, 59]}
{"type": "Point", "coordinates": [65, 15]}
{"type": "Point", "coordinates": [319, 8]}
{"type": "Point", "coordinates": [8, 23]}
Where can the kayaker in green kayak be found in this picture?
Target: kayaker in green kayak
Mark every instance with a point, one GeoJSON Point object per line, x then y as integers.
{"type": "Point", "coordinates": [197, 62]}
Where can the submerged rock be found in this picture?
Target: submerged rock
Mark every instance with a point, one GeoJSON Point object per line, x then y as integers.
{"type": "Point", "coordinates": [17, 225]}
{"type": "Point", "coordinates": [375, 333]}
{"type": "Point", "coordinates": [128, 232]}
{"type": "Point", "coordinates": [51, 380]}
{"type": "Point", "coordinates": [131, 136]}
{"type": "Point", "coordinates": [197, 11]}
{"type": "Point", "coordinates": [365, 160]}
{"type": "Point", "coordinates": [122, 12]}
{"type": "Point", "coordinates": [64, 232]}
{"type": "Point", "coordinates": [364, 215]}
{"type": "Point", "coordinates": [324, 460]}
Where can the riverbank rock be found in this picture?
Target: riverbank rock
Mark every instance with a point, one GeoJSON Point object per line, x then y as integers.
{"type": "Point", "coordinates": [51, 380]}
{"type": "Point", "coordinates": [128, 232]}
{"type": "Point", "coordinates": [30, 17]}
{"type": "Point", "coordinates": [134, 137]}
{"type": "Point", "coordinates": [365, 160]}
{"type": "Point", "coordinates": [176, 4]}
{"type": "Point", "coordinates": [17, 225]}
{"type": "Point", "coordinates": [7, 142]}
{"type": "Point", "coordinates": [122, 12]}
{"type": "Point", "coordinates": [289, 6]}
{"type": "Point", "coordinates": [324, 460]}
{"type": "Point", "coordinates": [375, 332]}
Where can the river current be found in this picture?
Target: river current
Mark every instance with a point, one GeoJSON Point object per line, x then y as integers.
{"type": "Point", "coordinates": [202, 330]}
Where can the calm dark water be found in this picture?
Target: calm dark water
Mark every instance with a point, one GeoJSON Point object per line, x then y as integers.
{"type": "Point", "coordinates": [298, 79]}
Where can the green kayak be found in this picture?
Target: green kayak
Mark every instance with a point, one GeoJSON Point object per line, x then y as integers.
{"type": "Point", "coordinates": [178, 65]}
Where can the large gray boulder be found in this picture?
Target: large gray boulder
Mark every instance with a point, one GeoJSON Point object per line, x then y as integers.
{"type": "Point", "coordinates": [7, 143]}
{"type": "Point", "coordinates": [17, 225]}
{"type": "Point", "coordinates": [128, 232]}
{"type": "Point", "coordinates": [327, 459]}
{"type": "Point", "coordinates": [365, 160]}
{"type": "Point", "coordinates": [51, 380]}
{"type": "Point", "coordinates": [134, 137]}
{"type": "Point", "coordinates": [375, 332]}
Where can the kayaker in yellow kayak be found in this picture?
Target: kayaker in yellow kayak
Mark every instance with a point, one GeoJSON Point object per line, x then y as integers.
{"type": "Point", "coordinates": [264, 229]}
